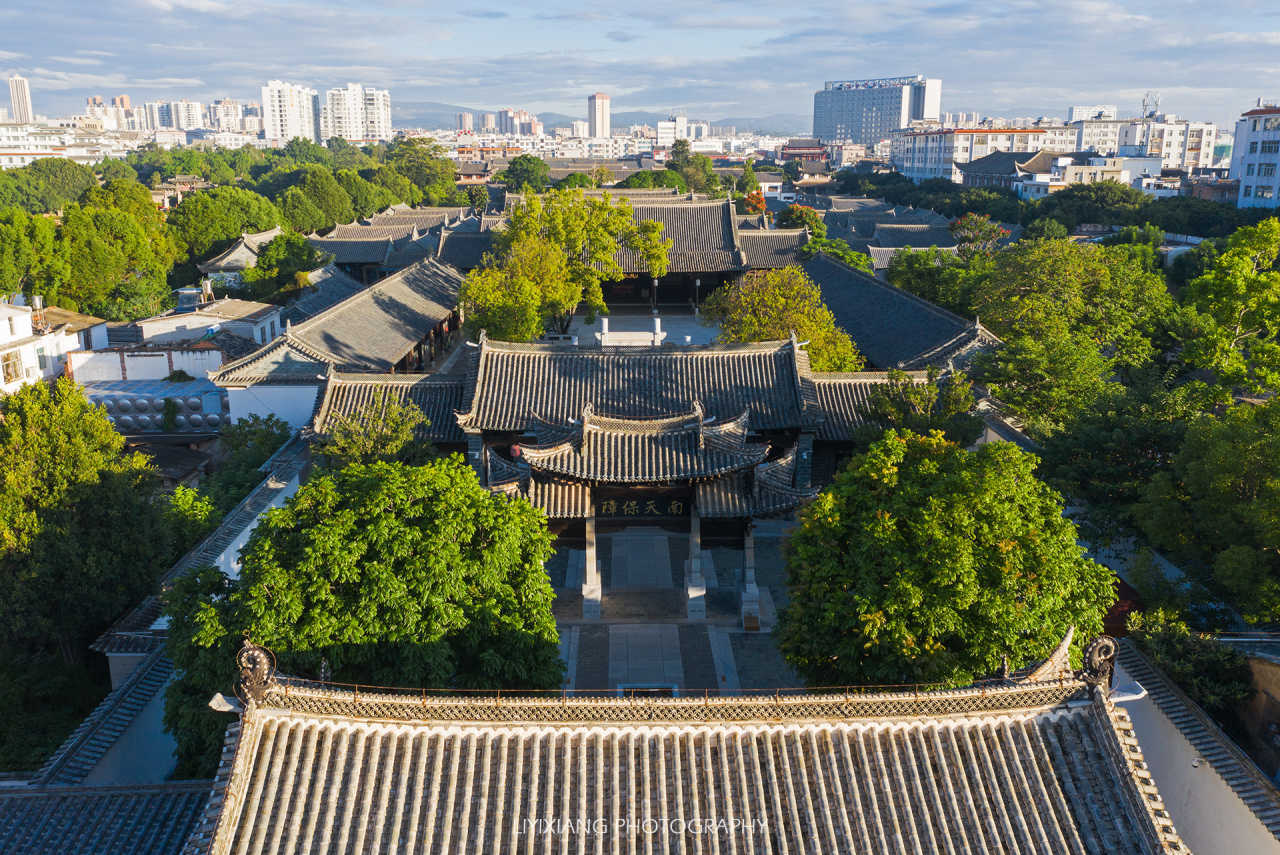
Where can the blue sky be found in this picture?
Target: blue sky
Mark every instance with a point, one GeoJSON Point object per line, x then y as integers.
{"type": "Point", "coordinates": [711, 59]}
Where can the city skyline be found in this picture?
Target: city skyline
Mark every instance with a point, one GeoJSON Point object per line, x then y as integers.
{"type": "Point", "coordinates": [729, 60]}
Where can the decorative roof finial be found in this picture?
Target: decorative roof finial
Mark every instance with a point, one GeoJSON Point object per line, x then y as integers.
{"type": "Point", "coordinates": [257, 668]}
{"type": "Point", "coordinates": [1099, 662]}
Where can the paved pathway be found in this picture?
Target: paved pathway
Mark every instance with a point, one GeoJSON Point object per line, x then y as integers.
{"type": "Point", "coordinates": [645, 655]}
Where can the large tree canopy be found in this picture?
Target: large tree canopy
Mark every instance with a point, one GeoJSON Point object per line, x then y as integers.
{"type": "Point", "coordinates": [552, 256]}
{"type": "Point", "coordinates": [769, 305]}
{"type": "Point", "coordinates": [392, 574]}
{"type": "Point", "coordinates": [1239, 302]}
{"type": "Point", "coordinates": [923, 562]}
{"type": "Point", "coordinates": [82, 533]}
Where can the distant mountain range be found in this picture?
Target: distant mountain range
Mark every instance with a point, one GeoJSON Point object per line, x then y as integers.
{"type": "Point", "coordinates": [435, 114]}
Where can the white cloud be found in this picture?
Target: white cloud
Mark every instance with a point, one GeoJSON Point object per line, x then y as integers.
{"type": "Point", "coordinates": [76, 60]}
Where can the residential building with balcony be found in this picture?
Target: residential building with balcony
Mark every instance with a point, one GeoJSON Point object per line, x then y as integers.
{"type": "Point", "coordinates": [1255, 158]}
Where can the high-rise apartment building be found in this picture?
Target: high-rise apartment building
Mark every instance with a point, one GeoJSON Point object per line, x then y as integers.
{"type": "Point", "coordinates": [868, 111]}
{"type": "Point", "coordinates": [355, 113]}
{"type": "Point", "coordinates": [122, 101]}
{"type": "Point", "coordinates": [598, 115]}
{"type": "Point", "coordinates": [158, 115]}
{"type": "Point", "coordinates": [187, 115]}
{"type": "Point", "coordinates": [1255, 156]}
{"type": "Point", "coordinates": [490, 122]}
{"type": "Point", "coordinates": [377, 114]}
{"type": "Point", "coordinates": [466, 122]}
{"type": "Point", "coordinates": [290, 110]}
{"type": "Point", "coordinates": [226, 114]}
{"type": "Point", "coordinates": [20, 100]}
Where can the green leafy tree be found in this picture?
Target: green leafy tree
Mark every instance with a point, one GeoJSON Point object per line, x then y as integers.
{"type": "Point", "coordinates": [51, 183]}
{"type": "Point", "coordinates": [82, 533]}
{"type": "Point", "coordinates": [602, 175]}
{"type": "Point", "coordinates": [937, 276]}
{"type": "Point", "coordinates": [522, 294]}
{"type": "Point", "coordinates": [588, 233]}
{"type": "Point", "coordinates": [923, 562]}
{"type": "Point", "coordinates": [921, 405]}
{"type": "Point", "coordinates": [801, 217]}
{"type": "Point", "coordinates": [275, 274]}
{"type": "Point", "coordinates": [680, 156]}
{"type": "Point", "coordinates": [393, 575]}
{"type": "Point", "coordinates": [115, 270]}
{"type": "Point", "coordinates": [300, 212]}
{"type": "Point", "coordinates": [386, 429]}
{"type": "Point", "coordinates": [366, 198]}
{"type": "Point", "coordinates": [791, 169]}
{"type": "Point", "coordinates": [478, 197]}
{"type": "Point", "coordinates": [245, 446]}
{"type": "Point", "coordinates": [1214, 675]}
{"type": "Point", "coordinates": [748, 183]}
{"type": "Point", "coordinates": [1044, 228]}
{"type": "Point", "coordinates": [976, 234]}
{"type": "Point", "coordinates": [1105, 202]}
{"type": "Point", "coordinates": [207, 221]}
{"type": "Point", "coordinates": [768, 305]}
{"type": "Point", "coordinates": [839, 249]}
{"type": "Point", "coordinates": [1144, 235]}
{"type": "Point", "coordinates": [646, 179]}
{"type": "Point", "coordinates": [1239, 301]}
{"type": "Point", "coordinates": [575, 180]}
{"type": "Point", "coordinates": [526, 170]}
{"type": "Point", "coordinates": [324, 191]}
{"type": "Point", "coordinates": [112, 169]}
{"type": "Point", "coordinates": [1129, 433]}
{"type": "Point", "coordinates": [1216, 506]}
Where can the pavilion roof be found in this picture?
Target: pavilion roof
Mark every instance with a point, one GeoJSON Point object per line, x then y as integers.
{"type": "Point", "coordinates": [1044, 763]}
{"type": "Point", "coordinates": [628, 451]}
{"type": "Point", "coordinates": [510, 387]}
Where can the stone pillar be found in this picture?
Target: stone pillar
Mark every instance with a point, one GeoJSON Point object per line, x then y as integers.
{"type": "Point", "coordinates": [591, 575]}
{"type": "Point", "coordinates": [694, 585]}
{"type": "Point", "coordinates": [750, 592]}
{"type": "Point", "coordinates": [653, 296]}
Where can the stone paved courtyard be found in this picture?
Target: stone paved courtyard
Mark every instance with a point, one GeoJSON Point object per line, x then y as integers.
{"type": "Point", "coordinates": [643, 641]}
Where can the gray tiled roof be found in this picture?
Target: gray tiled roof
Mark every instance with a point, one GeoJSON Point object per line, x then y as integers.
{"type": "Point", "coordinates": [703, 237]}
{"type": "Point", "coordinates": [675, 448]}
{"type": "Point", "coordinates": [369, 331]}
{"type": "Point", "coordinates": [328, 287]}
{"type": "Point", "coordinates": [439, 396]}
{"type": "Point", "coordinates": [845, 400]}
{"type": "Point", "coordinates": [882, 257]}
{"type": "Point", "coordinates": [892, 328]}
{"type": "Point", "coordinates": [240, 255]}
{"type": "Point", "coordinates": [371, 250]}
{"type": "Point", "coordinates": [380, 230]}
{"type": "Point", "coordinates": [137, 820]}
{"type": "Point", "coordinates": [918, 235]}
{"type": "Point", "coordinates": [1021, 767]}
{"type": "Point", "coordinates": [773, 248]}
{"type": "Point", "coordinates": [771, 488]}
{"type": "Point", "coordinates": [464, 249]}
{"type": "Point", "coordinates": [94, 737]}
{"type": "Point", "coordinates": [511, 386]}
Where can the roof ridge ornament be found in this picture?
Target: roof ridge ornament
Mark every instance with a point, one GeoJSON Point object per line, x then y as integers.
{"type": "Point", "coordinates": [1099, 663]}
{"type": "Point", "coordinates": [1058, 665]}
{"type": "Point", "coordinates": [257, 671]}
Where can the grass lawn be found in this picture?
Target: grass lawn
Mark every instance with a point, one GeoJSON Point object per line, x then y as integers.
{"type": "Point", "coordinates": [44, 699]}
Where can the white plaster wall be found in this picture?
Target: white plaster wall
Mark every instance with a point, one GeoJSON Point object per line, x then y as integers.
{"type": "Point", "coordinates": [229, 559]}
{"type": "Point", "coordinates": [1207, 813]}
{"type": "Point", "coordinates": [293, 404]}
{"type": "Point", "coordinates": [146, 366]}
{"type": "Point", "coordinates": [144, 754]}
{"type": "Point", "coordinates": [88, 366]}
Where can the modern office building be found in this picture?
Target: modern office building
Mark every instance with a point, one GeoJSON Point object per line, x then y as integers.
{"type": "Point", "coordinates": [868, 111]}
{"type": "Point", "coordinates": [20, 100]}
{"type": "Point", "coordinates": [290, 110]}
{"type": "Point", "coordinates": [1256, 156]}
{"type": "Point", "coordinates": [598, 115]}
